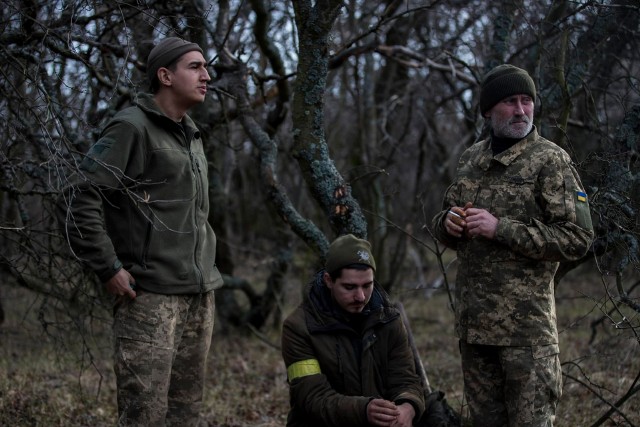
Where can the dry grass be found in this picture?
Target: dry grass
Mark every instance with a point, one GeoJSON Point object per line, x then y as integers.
{"type": "Point", "coordinates": [600, 354]}
{"type": "Point", "coordinates": [47, 381]}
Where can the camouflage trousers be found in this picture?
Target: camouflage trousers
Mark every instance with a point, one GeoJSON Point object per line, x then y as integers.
{"type": "Point", "coordinates": [161, 347]}
{"type": "Point", "coordinates": [511, 386]}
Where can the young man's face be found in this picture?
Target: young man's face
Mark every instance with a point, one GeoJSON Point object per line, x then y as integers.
{"type": "Point", "coordinates": [190, 77]}
{"type": "Point", "coordinates": [352, 290]}
{"type": "Point", "coordinates": [512, 117]}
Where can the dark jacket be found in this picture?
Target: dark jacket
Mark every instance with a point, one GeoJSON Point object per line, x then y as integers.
{"type": "Point", "coordinates": [140, 200]}
{"type": "Point", "coordinates": [504, 286]}
{"type": "Point", "coordinates": [358, 359]}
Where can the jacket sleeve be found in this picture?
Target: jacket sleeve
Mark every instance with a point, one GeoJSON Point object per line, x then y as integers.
{"type": "Point", "coordinates": [437, 223]}
{"type": "Point", "coordinates": [311, 393]}
{"type": "Point", "coordinates": [404, 382]}
{"type": "Point", "coordinates": [110, 165]}
{"type": "Point", "coordinates": [565, 232]}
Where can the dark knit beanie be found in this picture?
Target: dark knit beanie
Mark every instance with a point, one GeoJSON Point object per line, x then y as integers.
{"type": "Point", "coordinates": [503, 81]}
{"type": "Point", "coordinates": [347, 250]}
{"type": "Point", "coordinates": [167, 51]}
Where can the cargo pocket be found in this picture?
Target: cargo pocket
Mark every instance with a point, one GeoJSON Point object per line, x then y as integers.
{"type": "Point", "coordinates": [134, 320]}
{"type": "Point", "coordinates": [142, 353]}
{"type": "Point", "coordinates": [549, 371]}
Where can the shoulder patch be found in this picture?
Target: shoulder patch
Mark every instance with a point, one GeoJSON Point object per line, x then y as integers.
{"type": "Point", "coordinates": [96, 153]}
{"type": "Point", "coordinates": [582, 196]}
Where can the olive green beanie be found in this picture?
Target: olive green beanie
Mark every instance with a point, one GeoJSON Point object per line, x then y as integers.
{"type": "Point", "coordinates": [167, 51]}
{"type": "Point", "coordinates": [347, 250]}
{"type": "Point", "coordinates": [503, 81]}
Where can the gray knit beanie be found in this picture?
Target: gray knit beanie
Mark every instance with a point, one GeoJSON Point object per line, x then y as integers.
{"type": "Point", "coordinates": [347, 250]}
{"type": "Point", "coordinates": [167, 51]}
{"type": "Point", "coordinates": [503, 81]}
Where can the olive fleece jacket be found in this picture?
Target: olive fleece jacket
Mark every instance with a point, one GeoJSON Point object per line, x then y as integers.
{"type": "Point", "coordinates": [139, 200]}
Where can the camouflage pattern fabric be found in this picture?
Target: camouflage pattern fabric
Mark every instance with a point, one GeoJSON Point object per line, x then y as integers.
{"type": "Point", "coordinates": [161, 347]}
{"type": "Point", "coordinates": [504, 286]}
{"type": "Point", "coordinates": [511, 386]}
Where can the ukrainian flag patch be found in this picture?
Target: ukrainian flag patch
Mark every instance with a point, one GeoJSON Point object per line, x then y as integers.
{"type": "Point", "coordinates": [582, 196]}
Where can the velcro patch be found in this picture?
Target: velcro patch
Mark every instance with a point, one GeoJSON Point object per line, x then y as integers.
{"type": "Point", "coordinates": [96, 153]}
{"type": "Point", "coordinates": [582, 196]}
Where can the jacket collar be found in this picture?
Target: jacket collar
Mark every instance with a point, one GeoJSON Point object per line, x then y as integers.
{"type": "Point", "coordinates": [508, 155]}
{"type": "Point", "coordinates": [147, 104]}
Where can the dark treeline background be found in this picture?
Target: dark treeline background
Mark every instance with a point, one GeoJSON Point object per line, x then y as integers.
{"type": "Point", "coordinates": [323, 117]}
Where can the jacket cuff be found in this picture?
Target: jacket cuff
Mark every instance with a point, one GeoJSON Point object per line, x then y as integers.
{"type": "Point", "coordinates": [503, 230]}
{"type": "Point", "coordinates": [416, 409]}
{"type": "Point", "coordinates": [107, 273]}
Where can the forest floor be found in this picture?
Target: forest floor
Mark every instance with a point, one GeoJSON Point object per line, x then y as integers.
{"type": "Point", "coordinates": [50, 379]}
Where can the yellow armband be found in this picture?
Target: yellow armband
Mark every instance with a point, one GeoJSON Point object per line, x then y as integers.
{"type": "Point", "coordinates": [303, 368]}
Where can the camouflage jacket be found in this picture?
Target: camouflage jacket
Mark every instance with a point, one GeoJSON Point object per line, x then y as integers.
{"type": "Point", "coordinates": [336, 367]}
{"type": "Point", "coordinates": [504, 287]}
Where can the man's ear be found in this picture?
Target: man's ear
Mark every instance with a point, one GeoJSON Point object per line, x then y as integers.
{"type": "Point", "coordinates": [327, 280]}
{"type": "Point", "coordinates": [164, 76]}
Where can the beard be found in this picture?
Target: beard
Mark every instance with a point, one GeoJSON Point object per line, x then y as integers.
{"type": "Point", "coordinates": [507, 128]}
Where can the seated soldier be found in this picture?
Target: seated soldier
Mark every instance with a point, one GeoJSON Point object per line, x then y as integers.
{"type": "Point", "coordinates": [348, 358]}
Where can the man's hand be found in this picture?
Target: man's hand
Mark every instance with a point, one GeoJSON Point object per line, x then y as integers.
{"type": "Point", "coordinates": [481, 223]}
{"type": "Point", "coordinates": [121, 284]}
{"type": "Point", "coordinates": [455, 222]}
{"type": "Point", "coordinates": [383, 413]}
{"type": "Point", "coordinates": [405, 419]}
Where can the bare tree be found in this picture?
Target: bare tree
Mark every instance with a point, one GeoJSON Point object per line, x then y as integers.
{"type": "Point", "coordinates": [327, 117]}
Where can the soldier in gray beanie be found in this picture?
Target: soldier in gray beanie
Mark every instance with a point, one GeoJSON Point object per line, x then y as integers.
{"type": "Point", "coordinates": [516, 209]}
{"type": "Point", "coordinates": [162, 281]}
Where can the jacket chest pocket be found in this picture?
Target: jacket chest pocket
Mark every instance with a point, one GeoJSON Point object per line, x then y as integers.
{"type": "Point", "coordinates": [514, 198]}
{"type": "Point", "coordinates": [170, 176]}
{"type": "Point", "coordinates": [506, 195]}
